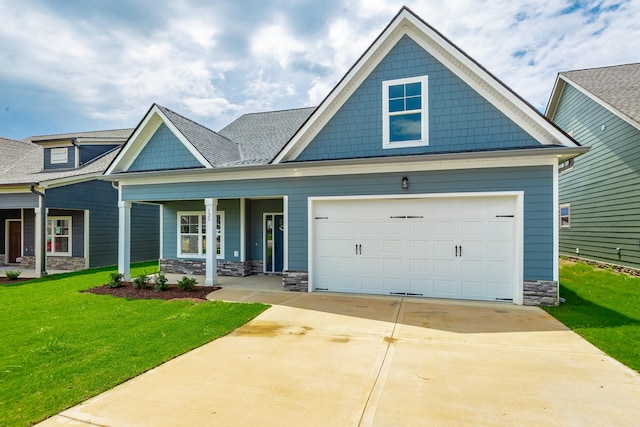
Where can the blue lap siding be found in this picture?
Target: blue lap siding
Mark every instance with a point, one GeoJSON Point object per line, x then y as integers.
{"type": "Point", "coordinates": [536, 182]}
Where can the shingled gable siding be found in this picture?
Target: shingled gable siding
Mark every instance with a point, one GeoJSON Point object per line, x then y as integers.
{"type": "Point", "coordinates": [459, 118]}
{"type": "Point", "coordinates": [536, 182]}
{"type": "Point", "coordinates": [164, 151]}
{"type": "Point", "coordinates": [603, 187]}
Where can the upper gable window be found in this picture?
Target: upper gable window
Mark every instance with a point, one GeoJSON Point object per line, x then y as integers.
{"type": "Point", "coordinates": [59, 155]}
{"type": "Point", "coordinates": [404, 113]}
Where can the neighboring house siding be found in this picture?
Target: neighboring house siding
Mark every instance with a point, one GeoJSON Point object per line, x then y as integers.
{"type": "Point", "coordinates": [28, 230]}
{"type": "Point", "coordinates": [90, 152]}
{"type": "Point", "coordinates": [603, 187]}
{"type": "Point", "coordinates": [459, 118]}
{"type": "Point", "coordinates": [18, 201]}
{"type": "Point", "coordinates": [77, 229]}
{"type": "Point", "coordinates": [13, 214]}
{"type": "Point", "coordinates": [101, 199]}
{"type": "Point", "coordinates": [71, 159]}
{"type": "Point", "coordinates": [536, 182]}
{"type": "Point", "coordinates": [164, 151]}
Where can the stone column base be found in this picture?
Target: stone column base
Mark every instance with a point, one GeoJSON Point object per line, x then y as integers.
{"type": "Point", "coordinates": [295, 281]}
{"type": "Point", "coordinates": [198, 267]}
{"type": "Point", "coordinates": [540, 292]}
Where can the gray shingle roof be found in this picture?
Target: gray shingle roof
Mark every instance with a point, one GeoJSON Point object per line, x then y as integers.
{"type": "Point", "coordinates": [96, 134]}
{"type": "Point", "coordinates": [217, 149]}
{"type": "Point", "coordinates": [618, 86]}
{"type": "Point", "coordinates": [262, 135]}
{"type": "Point", "coordinates": [252, 139]}
{"type": "Point", "coordinates": [21, 162]}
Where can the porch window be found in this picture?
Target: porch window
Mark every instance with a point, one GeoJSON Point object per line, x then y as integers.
{"type": "Point", "coordinates": [59, 235]}
{"type": "Point", "coordinates": [192, 235]}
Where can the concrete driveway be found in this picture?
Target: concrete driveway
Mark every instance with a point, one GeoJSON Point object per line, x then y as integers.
{"type": "Point", "coordinates": [344, 360]}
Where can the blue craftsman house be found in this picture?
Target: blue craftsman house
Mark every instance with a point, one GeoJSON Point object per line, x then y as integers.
{"type": "Point", "coordinates": [419, 174]}
{"type": "Point", "coordinates": [55, 214]}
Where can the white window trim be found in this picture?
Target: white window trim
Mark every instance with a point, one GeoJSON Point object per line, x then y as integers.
{"type": "Point", "coordinates": [565, 205]}
{"type": "Point", "coordinates": [69, 236]}
{"type": "Point", "coordinates": [59, 156]}
{"type": "Point", "coordinates": [386, 144]}
{"type": "Point", "coordinates": [199, 255]}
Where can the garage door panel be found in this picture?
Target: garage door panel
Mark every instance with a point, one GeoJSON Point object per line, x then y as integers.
{"type": "Point", "coordinates": [473, 289]}
{"type": "Point", "coordinates": [451, 247]}
{"type": "Point", "coordinates": [473, 268]}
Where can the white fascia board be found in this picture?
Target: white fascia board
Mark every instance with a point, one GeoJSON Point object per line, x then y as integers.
{"type": "Point", "coordinates": [15, 189]}
{"type": "Point", "coordinates": [554, 99]}
{"type": "Point", "coordinates": [61, 182]}
{"type": "Point", "coordinates": [603, 103]}
{"type": "Point", "coordinates": [365, 166]}
{"type": "Point", "coordinates": [441, 49]}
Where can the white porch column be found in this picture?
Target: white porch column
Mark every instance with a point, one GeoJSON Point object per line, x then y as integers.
{"type": "Point", "coordinates": [243, 229]}
{"type": "Point", "coordinates": [124, 239]}
{"type": "Point", "coordinates": [40, 250]}
{"type": "Point", "coordinates": [211, 207]}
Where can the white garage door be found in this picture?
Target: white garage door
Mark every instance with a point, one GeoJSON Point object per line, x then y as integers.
{"type": "Point", "coordinates": [454, 247]}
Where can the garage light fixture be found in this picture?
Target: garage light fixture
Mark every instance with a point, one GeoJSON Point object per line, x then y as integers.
{"type": "Point", "coordinates": [405, 183]}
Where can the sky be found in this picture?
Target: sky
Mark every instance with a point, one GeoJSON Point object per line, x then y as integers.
{"type": "Point", "coordinates": [80, 65]}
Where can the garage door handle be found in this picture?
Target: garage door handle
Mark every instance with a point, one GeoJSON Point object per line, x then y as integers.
{"type": "Point", "coordinates": [456, 250]}
{"type": "Point", "coordinates": [358, 249]}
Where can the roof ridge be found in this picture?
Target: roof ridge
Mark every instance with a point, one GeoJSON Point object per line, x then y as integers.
{"type": "Point", "coordinates": [79, 133]}
{"type": "Point", "coordinates": [279, 111]}
{"type": "Point", "coordinates": [600, 68]}
{"type": "Point", "coordinates": [194, 122]}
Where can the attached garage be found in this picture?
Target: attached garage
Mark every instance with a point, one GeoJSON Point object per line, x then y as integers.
{"type": "Point", "coordinates": [462, 246]}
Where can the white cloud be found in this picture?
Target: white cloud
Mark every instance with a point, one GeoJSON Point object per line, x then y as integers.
{"type": "Point", "coordinates": [219, 59]}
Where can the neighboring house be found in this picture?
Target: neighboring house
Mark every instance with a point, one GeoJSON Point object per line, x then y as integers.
{"type": "Point", "coordinates": [600, 193]}
{"type": "Point", "coordinates": [419, 174]}
{"type": "Point", "coordinates": [55, 214]}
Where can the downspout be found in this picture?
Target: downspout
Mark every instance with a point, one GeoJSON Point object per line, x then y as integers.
{"type": "Point", "coordinates": [43, 228]}
{"type": "Point", "coordinates": [77, 152]}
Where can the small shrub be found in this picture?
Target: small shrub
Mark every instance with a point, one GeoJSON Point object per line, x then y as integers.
{"type": "Point", "coordinates": [141, 281]}
{"type": "Point", "coordinates": [187, 283]}
{"type": "Point", "coordinates": [13, 274]}
{"type": "Point", "coordinates": [160, 283]}
{"type": "Point", "coordinates": [115, 280]}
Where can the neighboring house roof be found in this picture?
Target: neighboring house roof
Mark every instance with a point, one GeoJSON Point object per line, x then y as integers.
{"type": "Point", "coordinates": [617, 87]}
{"type": "Point", "coordinates": [21, 162]}
{"type": "Point", "coordinates": [90, 135]}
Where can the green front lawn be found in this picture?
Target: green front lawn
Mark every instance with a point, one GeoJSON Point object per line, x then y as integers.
{"type": "Point", "coordinates": [59, 346]}
{"type": "Point", "coordinates": [603, 307]}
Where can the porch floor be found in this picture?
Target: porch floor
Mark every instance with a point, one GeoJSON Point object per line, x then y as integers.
{"type": "Point", "coordinates": [252, 283]}
{"type": "Point", "coordinates": [26, 273]}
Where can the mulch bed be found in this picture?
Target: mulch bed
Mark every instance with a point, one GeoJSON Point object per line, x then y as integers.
{"type": "Point", "coordinates": [199, 293]}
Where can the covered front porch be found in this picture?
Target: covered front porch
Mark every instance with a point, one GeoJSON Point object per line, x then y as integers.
{"type": "Point", "coordinates": [249, 237]}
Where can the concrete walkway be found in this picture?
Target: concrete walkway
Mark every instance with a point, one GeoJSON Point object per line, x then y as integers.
{"type": "Point", "coordinates": [343, 360]}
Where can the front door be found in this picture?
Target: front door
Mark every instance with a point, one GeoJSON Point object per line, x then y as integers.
{"type": "Point", "coordinates": [273, 242]}
{"type": "Point", "coordinates": [15, 241]}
